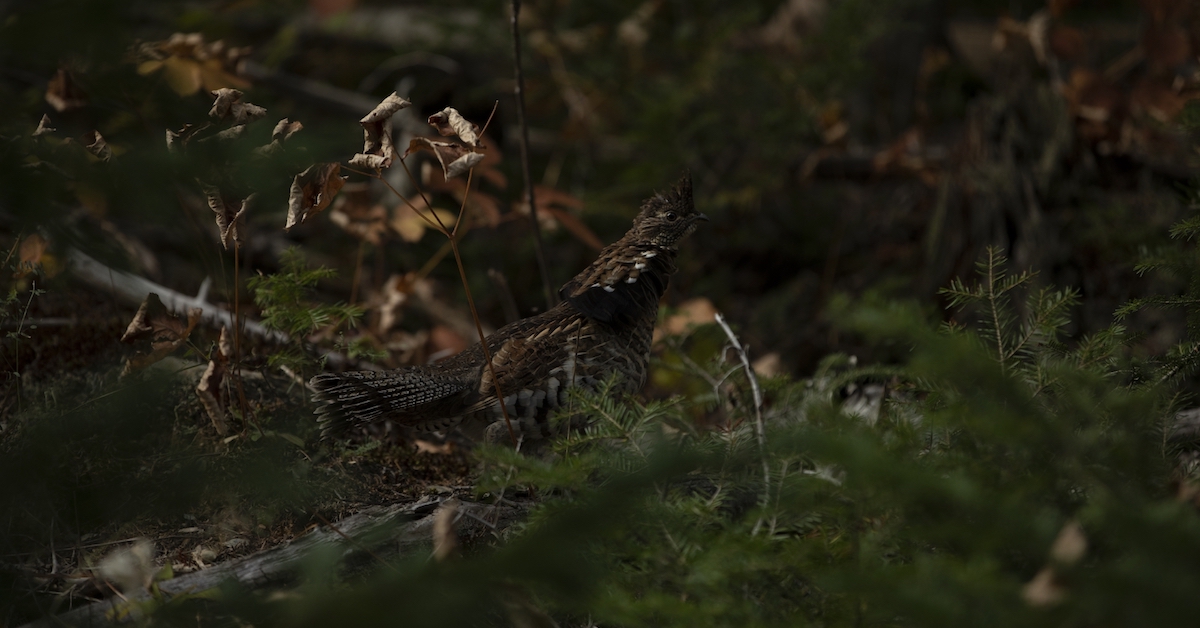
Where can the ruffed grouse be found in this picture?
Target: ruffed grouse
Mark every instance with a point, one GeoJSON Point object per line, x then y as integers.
{"type": "Point", "coordinates": [603, 325]}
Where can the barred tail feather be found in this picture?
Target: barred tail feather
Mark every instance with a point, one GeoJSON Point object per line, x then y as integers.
{"type": "Point", "coordinates": [358, 398]}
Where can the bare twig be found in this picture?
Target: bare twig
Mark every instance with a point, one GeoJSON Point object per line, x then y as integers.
{"type": "Point", "coordinates": [528, 179]}
{"type": "Point", "coordinates": [760, 430]}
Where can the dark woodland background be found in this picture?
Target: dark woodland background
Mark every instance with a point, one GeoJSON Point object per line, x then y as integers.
{"type": "Point", "coordinates": [855, 157]}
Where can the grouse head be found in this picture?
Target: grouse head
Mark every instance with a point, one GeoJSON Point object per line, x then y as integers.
{"type": "Point", "coordinates": [666, 218]}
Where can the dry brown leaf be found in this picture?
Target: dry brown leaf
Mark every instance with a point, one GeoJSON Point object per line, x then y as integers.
{"type": "Point", "coordinates": [449, 122]}
{"type": "Point", "coordinates": [370, 162]}
{"type": "Point", "coordinates": [211, 390]}
{"type": "Point", "coordinates": [283, 131]}
{"type": "Point", "coordinates": [44, 126]}
{"type": "Point", "coordinates": [455, 158]}
{"type": "Point", "coordinates": [228, 106]}
{"type": "Point", "coordinates": [445, 541]}
{"type": "Point", "coordinates": [231, 214]}
{"type": "Point", "coordinates": [312, 191]}
{"type": "Point", "coordinates": [97, 146]}
{"type": "Point", "coordinates": [156, 333]}
{"type": "Point", "coordinates": [177, 140]}
{"type": "Point", "coordinates": [378, 150]}
{"type": "Point", "coordinates": [63, 93]}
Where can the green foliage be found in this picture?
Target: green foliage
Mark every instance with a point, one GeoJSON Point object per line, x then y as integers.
{"type": "Point", "coordinates": [284, 298]}
{"type": "Point", "coordinates": [1180, 261]}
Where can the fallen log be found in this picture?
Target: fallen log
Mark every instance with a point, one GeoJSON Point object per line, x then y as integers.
{"type": "Point", "coordinates": [374, 534]}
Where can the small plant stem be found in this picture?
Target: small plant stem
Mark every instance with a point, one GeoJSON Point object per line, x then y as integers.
{"type": "Point", "coordinates": [462, 274]}
{"type": "Point", "coordinates": [487, 354]}
{"type": "Point", "coordinates": [237, 338]}
{"type": "Point", "coordinates": [528, 179]}
{"type": "Point", "coordinates": [994, 307]}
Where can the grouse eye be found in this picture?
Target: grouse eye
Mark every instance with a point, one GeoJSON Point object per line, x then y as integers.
{"type": "Point", "coordinates": [672, 216]}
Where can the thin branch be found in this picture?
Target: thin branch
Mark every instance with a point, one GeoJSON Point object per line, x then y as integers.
{"type": "Point", "coordinates": [994, 306]}
{"type": "Point", "coordinates": [528, 179]}
{"type": "Point", "coordinates": [760, 429]}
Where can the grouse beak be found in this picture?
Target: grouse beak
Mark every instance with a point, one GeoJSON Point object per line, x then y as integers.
{"type": "Point", "coordinates": [702, 217]}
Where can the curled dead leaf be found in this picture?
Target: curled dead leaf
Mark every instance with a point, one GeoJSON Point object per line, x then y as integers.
{"type": "Point", "coordinates": [44, 126]}
{"type": "Point", "coordinates": [156, 333]}
{"type": "Point", "coordinates": [312, 191]}
{"type": "Point", "coordinates": [455, 158]}
{"type": "Point", "coordinates": [177, 140]}
{"type": "Point", "coordinates": [283, 131]}
{"type": "Point", "coordinates": [378, 150]}
{"type": "Point", "coordinates": [370, 162]}
{"type": "Point", "coordinates": [231, 214]}
{"type": "Point", "coordinates": [210, 388]}
{"type": "Point", "coordinates": [449, 122]}
{"type": "Point", "coordinates": [228, 106]}
{"type": "Point", "coordinates": [97, 146]}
